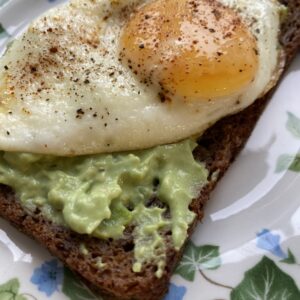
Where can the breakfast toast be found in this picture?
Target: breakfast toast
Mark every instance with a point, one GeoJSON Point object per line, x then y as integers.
{"type": "Point", "coordinates": [217, 148]}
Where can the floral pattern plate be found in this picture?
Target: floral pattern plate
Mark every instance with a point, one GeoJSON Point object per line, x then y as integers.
{"type": "Point", "coordinates": [248, 246]}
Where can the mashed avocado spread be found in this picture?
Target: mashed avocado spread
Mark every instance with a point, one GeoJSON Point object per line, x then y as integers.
{"type": "Point", "coordinates": [101, 194]}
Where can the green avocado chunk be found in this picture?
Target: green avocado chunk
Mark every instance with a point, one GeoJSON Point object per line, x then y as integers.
{"type": "Point", "coordinates": [101, 194]}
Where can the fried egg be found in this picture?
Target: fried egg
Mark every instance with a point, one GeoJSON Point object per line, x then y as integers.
{"type": "Point", "coordinates": [113, 75]}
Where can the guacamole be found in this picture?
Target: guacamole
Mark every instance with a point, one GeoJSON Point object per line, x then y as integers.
{"type": "Point", "coordinates": [101, 194]}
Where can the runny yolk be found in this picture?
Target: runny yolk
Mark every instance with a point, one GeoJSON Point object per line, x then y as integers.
{"type": "Point", "coordinates": [192, 49]}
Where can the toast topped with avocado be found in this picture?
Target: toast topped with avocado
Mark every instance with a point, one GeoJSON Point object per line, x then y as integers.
{"type": "Point", "coordinates": [120, 218]}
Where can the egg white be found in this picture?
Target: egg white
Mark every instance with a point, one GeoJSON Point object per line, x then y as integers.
{"type": "Point", "coordinates": [63, 90]}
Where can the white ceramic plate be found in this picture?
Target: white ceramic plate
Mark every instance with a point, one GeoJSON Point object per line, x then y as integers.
{"type": "Point", "coordinates": [248, 246]}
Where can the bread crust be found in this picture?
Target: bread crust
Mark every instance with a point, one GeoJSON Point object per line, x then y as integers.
{"type": "Point", "coordinates": [218, 148]}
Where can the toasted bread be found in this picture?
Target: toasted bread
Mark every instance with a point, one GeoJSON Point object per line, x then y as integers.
{"type": "Point", "coordinates": [218, 148]}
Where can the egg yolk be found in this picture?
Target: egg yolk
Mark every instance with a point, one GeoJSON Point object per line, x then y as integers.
{"type": "Point", "coordinates": [192, 49]}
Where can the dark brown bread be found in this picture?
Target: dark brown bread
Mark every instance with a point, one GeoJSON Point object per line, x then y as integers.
{"type": "Point", "coordinates": [218, 147]}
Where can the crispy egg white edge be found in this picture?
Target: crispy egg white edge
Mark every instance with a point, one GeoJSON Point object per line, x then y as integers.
{"type": "Point", "coordinates": [129, 115]}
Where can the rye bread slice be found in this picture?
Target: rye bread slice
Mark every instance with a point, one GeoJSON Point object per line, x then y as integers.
{"type": "Point", "coordinates": [218, 147]}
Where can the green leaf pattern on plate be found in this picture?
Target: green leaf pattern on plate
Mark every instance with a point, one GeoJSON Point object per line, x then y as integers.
{"type": "Point", "coordinates": [3, 32]}
{"type": "Point", "coordinates": [75, 289]}
{"type": "Point", "coordinates": [266, 282]}
{"type": "Point", "coordinates": [10, 290]}
{"type": "Point", "coordinates": [291, 260]}
{"type": "Point", "coordinates": [290, 161]}
{"type": "Point", "coordinates": [293, 125]}
{"type": "Point", "coordinates": [195, 258]}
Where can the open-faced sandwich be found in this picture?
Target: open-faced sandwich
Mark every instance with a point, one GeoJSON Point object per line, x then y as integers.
{"type": "Point", "coordinates": [119, 117]}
